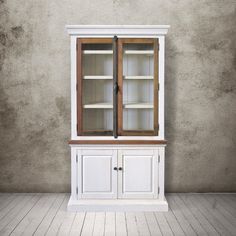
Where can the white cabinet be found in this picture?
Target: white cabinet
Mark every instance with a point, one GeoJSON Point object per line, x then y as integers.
{"type": "Point", "coordinates": [97, 177]}
{"type": "Point", "coordinates": [117, 117]}
{"type": "Point", "coordinates": [104, 174]}
{"type": "Point", "coordinates": [139, 175]}
{"type": "Point", "coordinates": [116, 178]}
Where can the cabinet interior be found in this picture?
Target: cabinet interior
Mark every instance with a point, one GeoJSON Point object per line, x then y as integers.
{"type": "Point", "coordinates": [97, 75]}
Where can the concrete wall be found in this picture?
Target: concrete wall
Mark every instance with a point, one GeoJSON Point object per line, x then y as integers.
{"type": "Point", "coordinates": [35, 92]}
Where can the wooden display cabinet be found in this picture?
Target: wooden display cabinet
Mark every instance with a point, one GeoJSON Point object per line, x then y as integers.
{"type": "Point", "coordinates": [117, 118]}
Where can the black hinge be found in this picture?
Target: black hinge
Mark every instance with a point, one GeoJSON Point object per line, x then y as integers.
{"type": "Point", "coordinates": [158, 190]}
{"type": "Point", "coordinates": [76, 158]}
{"type": "Point", "coordinates": [77, 190]}
{"type": "Point", "coordinates": [159, 158]}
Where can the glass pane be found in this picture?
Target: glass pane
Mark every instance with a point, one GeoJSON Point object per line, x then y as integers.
{"type": "Point", "coordinates": [97, 75]}
{"type": "Point", "coordinates": [138, 91]}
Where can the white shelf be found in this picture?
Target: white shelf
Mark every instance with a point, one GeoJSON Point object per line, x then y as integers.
{"type": "Point", "coordinates": [138, 77]}
{"type": "Point", "coordinates": [97, 52]}
{"type": "Point", "coordinates": [139, 52]}
{"type": "Point", "coordinates": [102, 105]}
{"type": "Point", "coordinates": [138, 105]}
{"type": "Point", "coordinates": [97, 77]}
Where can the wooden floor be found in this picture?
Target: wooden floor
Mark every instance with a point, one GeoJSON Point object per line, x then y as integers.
{"type": "Point", "coordinates": [189, 214]}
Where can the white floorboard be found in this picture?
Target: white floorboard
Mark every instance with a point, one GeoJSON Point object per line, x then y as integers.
{"type": "Point", "coordinates": [46, 214]}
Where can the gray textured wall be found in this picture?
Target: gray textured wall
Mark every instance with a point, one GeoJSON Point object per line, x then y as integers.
{"type": "Point", "coordinates": [200, 89]}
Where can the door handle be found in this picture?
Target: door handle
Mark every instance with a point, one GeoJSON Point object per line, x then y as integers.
{"type": "Point", "coordinates": [120, 168]}
{"type": "Point", "coordinates": [115, 168]}
{"type": "Point", "coordinates": [116, 88]}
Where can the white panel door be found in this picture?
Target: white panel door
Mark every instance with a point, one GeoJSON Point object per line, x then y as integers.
{"type": "Point", "coordinates": [98, 179]}
{"type": "Point", "coordinates": [137, 174]}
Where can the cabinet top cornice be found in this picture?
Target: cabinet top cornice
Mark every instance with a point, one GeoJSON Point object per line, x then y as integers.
{"type": "Point", "coordinates": [119, 30]}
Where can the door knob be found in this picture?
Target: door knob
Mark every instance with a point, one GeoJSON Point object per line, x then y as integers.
{"type": "Point", "coordinates": [120, 168]}
{"type": "Point", "coordinates": [115, 168]}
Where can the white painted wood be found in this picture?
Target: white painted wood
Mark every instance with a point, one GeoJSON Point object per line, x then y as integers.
{"type": "Point", "coordinates": [119, 30]}
{"type": "Point", "coordinates": [131, 224]}
{"type": "Point", "coordinates": [97, 176]}
{"type": "Point", "coordinates": [39, 213]}
{"type": "Point", "coordinates": [98, 114]}
{"type": "Point", "coordinates": [142, 224]}
{"type": "Point", "coordinates": [121, 225]}
{"type": "Point", "coordinates": [50, 215]}
{"type": "Point", "coordinates": [117, 205]}
{"type": "Point", "coordinates": [99, 68]}
{"type": "Point", "coordinates": [100, 52]}
{"type": "Point", "coordinates": [99, 224]}
{"type": "Point", "coordinates": [198, 211]}
{"type": "Point", "coordinates": [77, 224]}
{"type": "Point", "coordinates": [163, 224]}
{"type": "Point", "coordinates": [161, 169]}
{"type": "Point", "coordinates": [97, 77]}
{"type": "Point", "coordinates": [138, 77]}
{"type": "Point", "coordinates": [110, 224]}
{"type": "Point", "coordinates": [58, 219]}
{"type": "Point", "coordinates": [139, 52]}
{"type": "Point", "coordinates": [188, 214]}
{"type": "Point", "coordinates": [13, 224]}
{"type": "Point", "coordinates": [152, 224]}
{"type": "Point", "coordinates": [187, 228]}
{"type": "Point", "coordinates": [88, 224]}
{"type": "Point", "coordinates": [67, 223]}
{"type": "Point", "coordinates": [31, 217]}
{"type": "Point", "coordinates": [21, 201]}
{"type": "Point", "coordinates": [98, 106]}
{"type": "Point", "coordinates": [203, 219]}
{"type": "Point", "coordinates": [138, 105]}
{"type": "Point", "coordinates": [138, 178]}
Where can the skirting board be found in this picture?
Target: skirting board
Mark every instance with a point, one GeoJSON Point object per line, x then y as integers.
{"type": "Point", "coordinates": [117, 205]}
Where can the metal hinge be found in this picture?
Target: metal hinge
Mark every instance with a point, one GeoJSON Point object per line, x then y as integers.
{"type": "Point", "coordinates": [76, 158]}
{"type": "Point", "coordinates": [158, 158]}
{"type": "Point", "coordinates": [77, 190]}
{"type": "Point", "coordinates": [158, 190]}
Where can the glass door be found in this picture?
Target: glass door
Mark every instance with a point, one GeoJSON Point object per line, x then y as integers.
{"type": "Point", "coordinates": [95, 86]}
{"type": "Point", "coordinates": [138, 87]}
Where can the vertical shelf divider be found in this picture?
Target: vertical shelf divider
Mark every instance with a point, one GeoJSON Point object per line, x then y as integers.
{"type": "Point", "coordinates": [115, 86]}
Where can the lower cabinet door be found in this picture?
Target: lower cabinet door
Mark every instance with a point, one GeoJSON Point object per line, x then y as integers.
{"type": "Point", "coordinates": [96, 176]}
{"type": "Point", "coordinates": [137, 174]}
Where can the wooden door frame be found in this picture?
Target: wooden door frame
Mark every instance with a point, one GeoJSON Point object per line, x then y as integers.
{"type": "Point", "coordinates": [79, 87]}
{"type": "Point", "coordinates": [155, 43]}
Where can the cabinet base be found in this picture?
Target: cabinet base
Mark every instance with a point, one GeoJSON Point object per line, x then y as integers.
{"type": "Point", "coordinates": [117, 205]}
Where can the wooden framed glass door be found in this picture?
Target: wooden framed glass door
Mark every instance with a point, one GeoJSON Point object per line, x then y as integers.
{"type": "Point", "coordinates": [95, 86]}
{"type": "Point", "coordinates": [138, 86]}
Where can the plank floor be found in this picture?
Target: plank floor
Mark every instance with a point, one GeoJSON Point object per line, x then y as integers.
{"type": "Point", "coordinates": [189, 214]}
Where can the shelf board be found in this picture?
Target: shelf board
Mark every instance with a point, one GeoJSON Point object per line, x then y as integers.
{"type": "Point", "coordinates": [97, 52]}
{"type": "Point", "coordinates": [148, 77]}
{"type": "Point", "coordinates": [139, 52]}
{"type": "Point", "coordinates": [102, 105]}
{"type": "Point", "coordinates": [97, 77]}
{"type": "Point", "coordinates": [138, 105]}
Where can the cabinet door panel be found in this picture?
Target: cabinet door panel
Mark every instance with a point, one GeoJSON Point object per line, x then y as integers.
{"type": "Point", "coordinates": [138, 178]}
{"type": "Point", "coordinates": [98, 179]}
